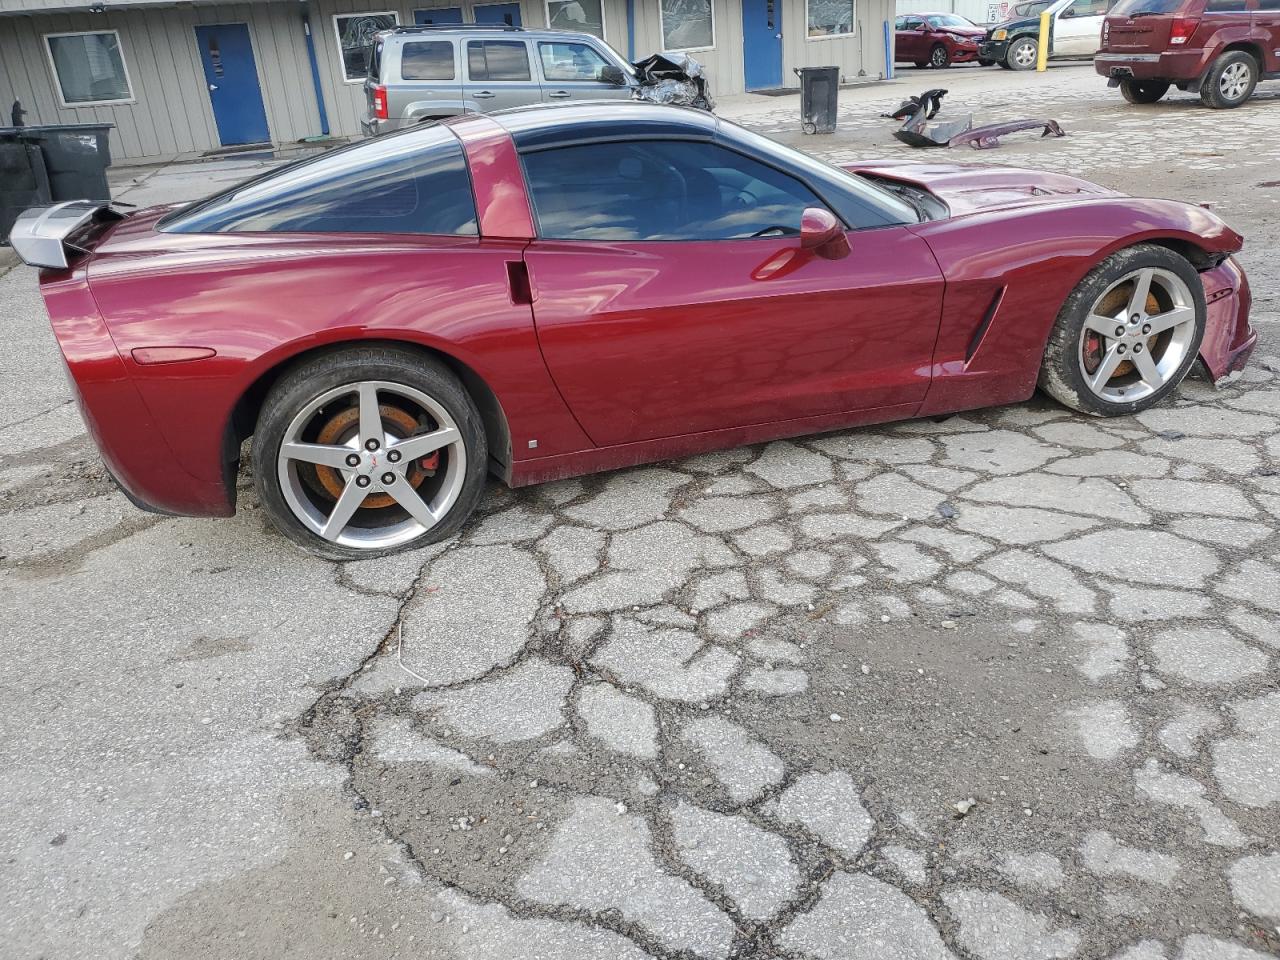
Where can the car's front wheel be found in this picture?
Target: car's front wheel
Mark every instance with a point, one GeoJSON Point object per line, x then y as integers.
{"type": "Point", "coordinates": [368, 450]}
{"type": "Point", "coordinates": [1022, 54]}
{"type": "Point", "coordinates": [1229, 82]}
{"type": "Point", "coordinates": [938, 57]}
{"type": "Point", "coordinates": [1143, 91]}
{"type": "Point", "coordinates": [1127, 335]}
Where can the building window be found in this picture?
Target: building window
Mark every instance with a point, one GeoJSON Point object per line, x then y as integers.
{"type": "Point", "coordinates": [355, 38]}
{"type": "Point", "coordinates": [831, 18]}
{"type": "Point", "coordinates": [688, 25]}
{"type": "Point", "coordinates": [89, 68]}
{"type": "Point", "coordinates": [582, 16]}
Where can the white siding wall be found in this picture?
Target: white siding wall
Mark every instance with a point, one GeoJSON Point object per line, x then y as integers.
{"type": "Point", "coordinates": [864, 50]}
{"type": "Point", "coordinates": [979, 11]}
{"type": "Point", "coordinates": [171, 112]}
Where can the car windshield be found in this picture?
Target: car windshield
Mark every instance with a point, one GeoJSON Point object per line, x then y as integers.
{"type": "Point", "coordinates": [949, 20]}
{"type": "Point", "coordinates": [1127, 8]}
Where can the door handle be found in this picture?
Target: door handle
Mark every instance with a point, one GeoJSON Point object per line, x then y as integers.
{"type": "Point", "coordinates": [483, 95]}
{"type": "Point", "coordinates": [213, 86]}
{"type": "Point", "coordinates": [559, 94]}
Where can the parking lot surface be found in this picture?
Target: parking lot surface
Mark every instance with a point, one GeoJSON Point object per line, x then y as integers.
{"type": "Point", "coordinates": [998, 686]}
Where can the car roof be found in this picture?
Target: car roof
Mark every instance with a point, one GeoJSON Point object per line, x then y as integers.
{"type": "Point", "coordinates": [495, 30]}
{"type": "Point", "coordinates": [559, 124]}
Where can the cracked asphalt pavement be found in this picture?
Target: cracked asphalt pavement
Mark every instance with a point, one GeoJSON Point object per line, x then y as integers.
{"type": "Point", "coordinates": [1001, 686]}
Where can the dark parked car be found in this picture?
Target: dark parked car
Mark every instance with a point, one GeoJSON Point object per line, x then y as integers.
{"type": "Point", "coordinates": [555, 290]}
{"type": "Point", "coordinates": [1217, 48]}
{"type": "Point", "coordinates": [1075, 26]}
{"type": "Point", "coordinates": [936, 39]}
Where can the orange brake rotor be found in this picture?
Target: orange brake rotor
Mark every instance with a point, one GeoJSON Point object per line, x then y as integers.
{"type": "Point", "coordinates": [342, 426]}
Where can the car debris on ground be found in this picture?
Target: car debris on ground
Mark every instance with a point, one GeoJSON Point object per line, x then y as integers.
{"type": "Point", "coordinates": [918, 131]}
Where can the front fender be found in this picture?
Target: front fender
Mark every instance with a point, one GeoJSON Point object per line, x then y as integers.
{"type": "Point", "coordinates": [1002, 299]}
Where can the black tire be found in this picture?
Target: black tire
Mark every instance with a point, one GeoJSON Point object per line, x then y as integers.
{"type": "Point", "coordinates": [1143, 91]}
{"type": "Point", "coordinates": [1212, 93]}
{"type": "Point", "coordinates": [312, 377]}
{"type": "Point", "coordinates": [939, 59]}
{"type": "Point", "coordinates": [1011, 56]}
{"type": "Point", "coordinates": [921, 64]}
{"type": "Point", "coordinates": [1061, 375]}
{"type": "Point", "coordinates": [1003, 65]}
{"type": "Point", "coordinates": [984, 62]}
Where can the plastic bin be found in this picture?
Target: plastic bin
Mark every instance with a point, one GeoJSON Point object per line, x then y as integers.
{"type": "Point", "coordinates": [24, 182]}
{"type": "Point", "coordinates": [76, 156]}
{"type": "Point", "coordinates": [819, 91]}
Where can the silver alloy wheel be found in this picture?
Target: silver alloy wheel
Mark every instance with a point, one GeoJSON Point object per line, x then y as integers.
{"type": "Point", "coordinates": [939, 57]}
{"type": "Point", "coordinates": [374, 462]}
{"type": "Point", "coordinates": [1137, 335]}
{"type": "Point", "coordinates": [1234, 81]}
{"type": "Point", "coordinates": [1025, 54]}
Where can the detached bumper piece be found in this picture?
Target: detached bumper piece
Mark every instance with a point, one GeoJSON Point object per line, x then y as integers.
{"type": "Point", "coordinates": [918, 131]}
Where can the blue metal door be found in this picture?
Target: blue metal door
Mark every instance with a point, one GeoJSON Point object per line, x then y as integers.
{"type": "Point", "coordinates": [439, 15]}
{"type": "Point", "coordinates": [508, 13]}
{"type": "Point", "coordinates": [232, 78]}
{"type": "Point", "coordinates": [762, 43]}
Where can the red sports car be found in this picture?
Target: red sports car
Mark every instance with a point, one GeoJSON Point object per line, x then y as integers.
{"type": "Point", "coordinates": [557, 290]}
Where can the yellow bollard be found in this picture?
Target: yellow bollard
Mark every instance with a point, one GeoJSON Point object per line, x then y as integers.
{"type": "Point", "coordinates": [1042, 54]}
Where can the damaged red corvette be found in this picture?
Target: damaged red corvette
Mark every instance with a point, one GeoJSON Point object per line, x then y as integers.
{"type": "Point", "coordinates": [558, 290]}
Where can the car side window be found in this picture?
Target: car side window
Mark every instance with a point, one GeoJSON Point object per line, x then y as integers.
{"type": "Point", "coordinates": [1225, 6]}
{"type": "Point", "coordinates": [490, 61]}
{"type": "Point", "coordinates": [427, 60]}
{"type": "Point", "coordinates": [413, 182]}
{"type": "Point", "coordinates": [570, 61]}
{"type": "Point", "coordinates": [661, 190]}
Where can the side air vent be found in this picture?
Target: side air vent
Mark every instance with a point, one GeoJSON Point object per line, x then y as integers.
{"type": "Point", "coordinates": [981, 331]}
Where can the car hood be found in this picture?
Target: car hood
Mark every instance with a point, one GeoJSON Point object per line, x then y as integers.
{"type": "Point", "coordinates": [1020, 23]}
{"type": "Point", "coordinates": [966, 189]}
{"type": "Point", "coordinates": [970, 33]}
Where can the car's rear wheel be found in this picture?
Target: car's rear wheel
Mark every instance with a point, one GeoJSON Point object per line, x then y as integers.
{"type": "Point", "coordinates": [1127, 335]}
{"type": "Point", "coordinates": [369, 450]}
{"type": "Point", "coordinates": [1229, 82]}
{"type": "Point", "coordinates": [938, 57]}
{"type": "Point", "coordinates": [1022, 54]}
{"type": "Point", "coordinates": [1143, 91]}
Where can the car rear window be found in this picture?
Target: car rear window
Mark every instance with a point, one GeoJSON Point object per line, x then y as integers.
{"type": "Point", "coordinates": [492, 60]}
{"type": "Point", "coordinates": [412, 182]}
{"type": "Point", "coordinates": [1127, 8]}
{"type": "Point", "coordinates": [427, 60]}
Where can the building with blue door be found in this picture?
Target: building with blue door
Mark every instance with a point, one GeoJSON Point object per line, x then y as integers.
{"type": "Point", "coordinates": [180, 77]}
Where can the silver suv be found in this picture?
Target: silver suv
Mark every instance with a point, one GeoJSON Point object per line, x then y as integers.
{"type": "Point", "coordinates": [429, 72]}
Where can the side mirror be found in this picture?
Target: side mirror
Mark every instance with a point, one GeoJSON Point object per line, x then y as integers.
{"type": "Point", "coordinates": [610, 73]}
{"type": "Point", "coordinates": [822, 233]}
{"type": "Point", "coordinates": [924, 28]}
{"type": "Point", "coordinates": [1067, 14]}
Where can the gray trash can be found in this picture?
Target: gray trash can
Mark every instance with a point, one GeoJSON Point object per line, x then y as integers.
{"type": "Point", "coordinates": [819, 90]}
{"type": "Point", "coordinates": [24, 182]}
{"type": "Point", "coordinates": [76, 156]}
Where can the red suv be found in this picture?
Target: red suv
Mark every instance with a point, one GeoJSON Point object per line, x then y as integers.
{"type": "Point", "coordinates": [1217, 48]}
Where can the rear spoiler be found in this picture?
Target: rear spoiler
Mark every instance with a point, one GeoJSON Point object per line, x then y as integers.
{"type": "Point", "coordinates": [39, 236]}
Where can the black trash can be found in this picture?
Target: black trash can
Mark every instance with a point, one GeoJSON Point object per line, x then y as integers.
{"type": "Point", "coordinates": [24, 183]}
{"type": "Point", "coordinates": [76, 156]}
{"type": "Point", "coordinates": [819, 89]}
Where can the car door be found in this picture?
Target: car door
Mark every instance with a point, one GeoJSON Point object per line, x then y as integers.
{"type": "Point", "coordinates": [500, 75]}
{"type": "Point", "coordinates": [672, 297]}
{"type": "Point", "coordinates": [1266, 18]}
{"type": "Point", "coordinates": [571, 71]}
{"type": "Point", "coordinates": [907, 39]}
{"type": "Point", "coordinates": [1077, 29]}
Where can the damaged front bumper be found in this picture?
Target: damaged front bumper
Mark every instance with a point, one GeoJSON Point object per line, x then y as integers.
{"type": "Point", "coordinates": [1229, 339]}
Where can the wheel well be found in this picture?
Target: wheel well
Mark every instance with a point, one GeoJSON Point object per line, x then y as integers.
{"type": "Point", "coordinates": [1197, 256]}
{"type": "Point", "coordinates": [244, 417]}
{"type": "Point", "coordinates": [1252, 49]}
